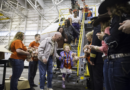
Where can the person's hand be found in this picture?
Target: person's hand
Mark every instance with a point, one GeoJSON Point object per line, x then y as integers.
{"type": "Point", "coordinates": [100, 35]}
{"type": "Point", "coordinates": [35, 47]}
{"type": "Point", "coordinates": [91, 63]}
{"type": "Point", "coordinates": [86, 51]}
{"type": "Point", "coordinates": [81, 24]}
{"type": "Point", "coordinates": [86, 46]}
{"type": "Point", "coordinates": [125, 27]}
{"type": "Point", "coordinates": [92, 47]}
{"type": "Point", "coordinates": [28, 53]}
{"type": "Point", "coordinates": [65, 40]}
{"type": "Point", "coordinates": [45, 61]}
{"type": "Point", "coordinates": [61, 58]}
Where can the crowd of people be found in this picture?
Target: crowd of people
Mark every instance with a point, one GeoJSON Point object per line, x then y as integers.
{"type": "Point", "coordinates": [107, 53]}
{"type": "Point", "coordinates": [110, 54]}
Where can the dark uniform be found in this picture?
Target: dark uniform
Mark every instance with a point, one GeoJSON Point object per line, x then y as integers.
{"type": "Point", "coordinates": [96, 57]}
{"type": "Point", "coordinates": [119, 55]}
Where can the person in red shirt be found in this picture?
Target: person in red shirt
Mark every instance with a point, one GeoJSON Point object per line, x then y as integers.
{"type": "Point", "coordinates": [17, 58]}
{"type": "Point", "coordinates": [33, 64]}
{"type": "Point", "coordinates": [88, 13]}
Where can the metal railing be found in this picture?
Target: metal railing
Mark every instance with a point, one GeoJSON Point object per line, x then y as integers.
{"type": "Point", "coordinates": [62, 15]}
{"type": "Point", "coordinates": [80, 45]}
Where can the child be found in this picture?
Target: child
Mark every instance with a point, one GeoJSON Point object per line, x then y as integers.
{"type": "Point", "coordinates": [66, 63]}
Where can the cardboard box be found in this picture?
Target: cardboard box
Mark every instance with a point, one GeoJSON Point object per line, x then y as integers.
{"type": "Point", "coordinates": [23, 83]}
{"type": "Point", "coordinates": [2, 55]}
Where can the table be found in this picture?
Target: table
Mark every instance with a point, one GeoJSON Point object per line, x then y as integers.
{"type": "Point", "coordinates": [3, 61]}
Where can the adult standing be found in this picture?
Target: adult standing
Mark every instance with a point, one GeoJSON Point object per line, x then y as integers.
{"type": "Point", "coordinates": [75, 21]}
{"type": "Point", "coordinates": [46, 55]}
{"type": "Point", "coordinates": [96, 61]}
{"type": "Point", "coordinates": [60, 45]}
{"type": "Point", "coordinates": [19, 54]}
{"type": "Point", "coordinates": [33, 64]}
{"type": "Point", "coordinates": [86, 10]}
{"type": "Point", "coordinates": [87, 51]}
{"type": "Point", "coordinates": [118, 42]}
{"type": "Point", "coordinates": [104, 21]}
{"type": "Point", "coordinates": [91, 72]}
{"type": "Point", "coordinates": [76, 6]}
{"type": "Point", "coordinates": [69, 30]}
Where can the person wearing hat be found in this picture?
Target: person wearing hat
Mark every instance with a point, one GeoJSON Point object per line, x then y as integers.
{"type": "Point", "coordinates": [92, 20]}
{"type": "Point", "coordinates": [75, 22]}
{"type": "Point", "coordinates": [96, 60]}
{"type": "Point", "coordinates": [118, 42]}
{"type": "Point", "coordinates": [104, 21]}
{"type": "Point", "coordinates": [97, 65]}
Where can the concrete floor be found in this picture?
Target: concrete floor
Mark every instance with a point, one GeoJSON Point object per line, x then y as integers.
{"type": "Point", "coordinates": [56, 83]}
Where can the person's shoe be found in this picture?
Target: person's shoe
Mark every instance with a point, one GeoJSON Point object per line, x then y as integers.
{"type": "Point", "coordinates": [49, 89]}
{"type": "Point", "coordinates": [34, 85]}
{"type": "Point", "coordinates": [63, 85]}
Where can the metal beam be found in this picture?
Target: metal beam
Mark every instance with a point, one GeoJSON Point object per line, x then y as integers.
{"type": "Point", "coordinates": [9, 31]}
{"type": "Point", "coordinates": [4, 25]}
{"type": "Point", "coordinates": [59, 1]}
{"type": "Point", "coordinates": [1, 4]}
{"type": "Point", "coordinates": [38, 24]}
{"type": "Point", "coordinates": [16, 4]}
{"type": "Point", "coordinates": [55, 6]}
{"type": "Point", "coordinates": [25, 25]}
{"type": "Point", "coordinates": [14, 8]}
{"type": "Point", "coordinates": [18, 24]}
{"type": "Point", "coordinates": [41, 24]}
{"type": "Point", "coordinates": [30, 2]}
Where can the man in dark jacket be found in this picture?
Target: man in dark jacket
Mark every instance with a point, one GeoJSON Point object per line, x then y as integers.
{"type": "Point", "coordinates": [97, 62]}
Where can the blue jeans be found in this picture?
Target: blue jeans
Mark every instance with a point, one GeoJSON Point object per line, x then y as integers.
{"type": "Point", "coordinates": [32, 72]}
{"type": "Point", "coordinates": [105, 74]}
{"type": "Point", "coordinates": [42, 69]}
{"type": "Point", "coordinates": [86, 15]}
{"type": "Point", "coordinates": [17, 69]}
{"type": "Point", "coordinates": [119, 73]}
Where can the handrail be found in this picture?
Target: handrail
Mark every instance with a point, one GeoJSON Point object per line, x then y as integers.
{"type": "Point", "coordinates": [95, 8]}
{"type": "Point", "coordinates": [61, 14]}
{"type": "Point", "coordinates": [79, 48]}
{"type": "Point", "coordinates": [81, 38]}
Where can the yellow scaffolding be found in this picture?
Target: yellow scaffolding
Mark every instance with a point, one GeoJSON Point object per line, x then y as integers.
{"type": "Point", "coordinates": [4, 18]}
{"type": "Point", "coordinates": [62, 14]}
{"type": "Point", "coordinates": [80, 41]}
{"type": "Point", "coordinates": [81, 33]}
{"type": "Point", "coordinates": [1, 15]}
